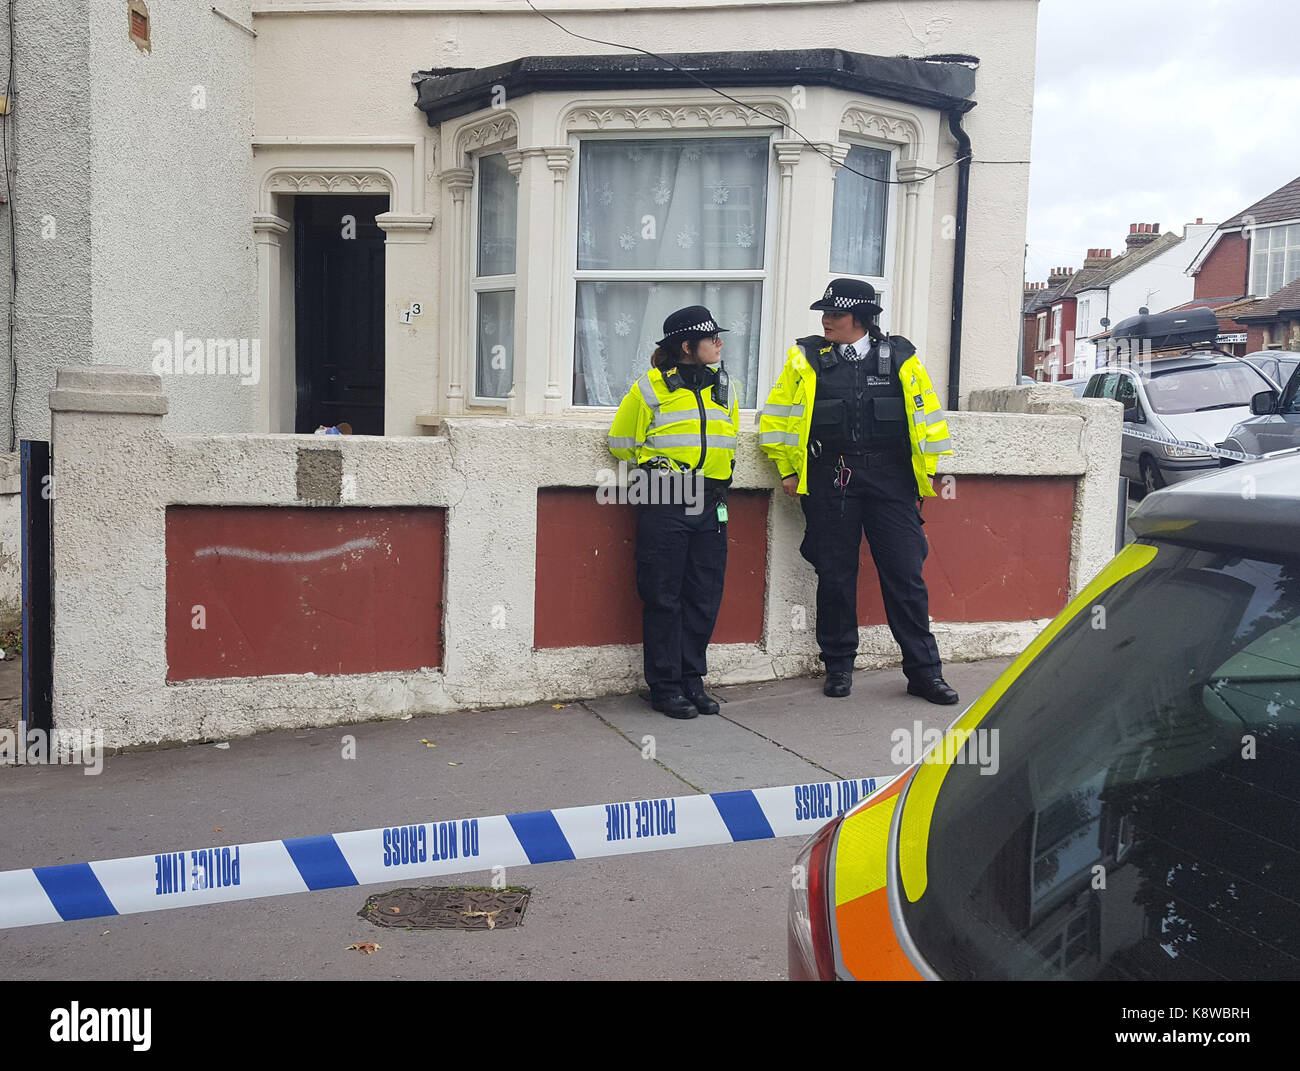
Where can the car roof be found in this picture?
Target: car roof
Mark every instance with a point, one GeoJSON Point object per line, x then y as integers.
{"type": "Point", "coordinates": [1254, 507]}
{"type": "Point", "coordinates": [1160, 365]}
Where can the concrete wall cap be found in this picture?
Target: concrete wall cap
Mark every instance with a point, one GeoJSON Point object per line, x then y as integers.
{"type": "Point", "coordinates": [94, 401]}
{"type": "Point", "coordinates": [108, 379]}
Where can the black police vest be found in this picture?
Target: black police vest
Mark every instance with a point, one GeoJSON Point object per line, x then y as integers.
{"type": "Point", "coordinates": [856, 409]}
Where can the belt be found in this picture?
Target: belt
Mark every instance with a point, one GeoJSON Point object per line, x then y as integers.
{"type": "Point", "coordinates": [830, 452]}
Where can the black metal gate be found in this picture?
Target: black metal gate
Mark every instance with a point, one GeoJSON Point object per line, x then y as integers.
{"type": "Point", "coordinates": [38, 590]}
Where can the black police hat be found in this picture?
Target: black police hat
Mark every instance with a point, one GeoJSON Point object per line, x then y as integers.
{"type": "Point", "coordinates": [695, 321]}
{"type": "Point", "coordinates": [845, 295]}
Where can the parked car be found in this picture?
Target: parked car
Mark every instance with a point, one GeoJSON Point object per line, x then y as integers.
{"type": "Point", "coordinates": [1275, 425]}
{"type": "Point", "coordinates": [1139, 817]}
{"type": "Point", "coordinates": [1276, 364]}
{"type": "Point", "coordinates": [1195, 398]}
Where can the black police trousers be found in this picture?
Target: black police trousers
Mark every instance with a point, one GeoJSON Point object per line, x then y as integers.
{"type": "Point", "coordinates": [879, 502]}
{"type": "Point", "coordinates": [681, 560]}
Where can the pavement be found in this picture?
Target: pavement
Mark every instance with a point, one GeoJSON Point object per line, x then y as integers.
{"type": "Point", "coordinates": [714, 912]}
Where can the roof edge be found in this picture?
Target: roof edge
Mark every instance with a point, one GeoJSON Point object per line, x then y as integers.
{"type": "Point", "coordinates": [945, 84]}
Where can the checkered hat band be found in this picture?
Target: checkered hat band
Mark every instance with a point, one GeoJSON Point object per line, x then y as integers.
{"type": "Point", "coordinates": [848, 302]}
{"type": "Point", "coordinates": [708, 325]}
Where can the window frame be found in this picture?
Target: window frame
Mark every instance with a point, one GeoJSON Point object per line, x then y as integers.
{"type": "Point", "coordinates": [765, 276]}
{"type": "Point", "coordinates": [1271, 229]}
{"type": "Point", "coordinates": [879, 283]}
{"type": "Point", "coordinates": [487, 284]}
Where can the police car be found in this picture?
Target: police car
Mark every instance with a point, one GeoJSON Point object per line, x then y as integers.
{"type": "Point", "coordinates": [1141, 822]}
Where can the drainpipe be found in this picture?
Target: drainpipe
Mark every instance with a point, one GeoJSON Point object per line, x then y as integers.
{"type": "Point", "coordinates": [959, 259]}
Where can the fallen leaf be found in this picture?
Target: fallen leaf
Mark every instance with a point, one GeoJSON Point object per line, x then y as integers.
{"type": "Point", "coordinates": [557, 706]}
{"type": "Point", "coordinates": [489, 915]}
{"type": "Point", "coordinates": [395, 910]}
{"type": "Point", "coordinates": [105, 933]}
{"type": "Point", "coordinates": [453, 764]}
{"type": "Point", "coordinates": [364, 947]}
{"type": "Point", "coordinates": [426, 743]}
{"type": "Point", "coordinates": [218, 829]}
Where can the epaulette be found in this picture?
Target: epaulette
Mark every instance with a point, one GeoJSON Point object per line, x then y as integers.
{"type": "Point", "coordinates": [818, 347]}
{"type": "Point", "coordinates": [903, 348]}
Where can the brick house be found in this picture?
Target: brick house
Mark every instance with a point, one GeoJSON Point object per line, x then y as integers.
{"type": "Point", "coordinates": [1249, 266]}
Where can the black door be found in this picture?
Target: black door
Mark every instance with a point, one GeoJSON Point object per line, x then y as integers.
{"type": "Point", "coordinates": [339, 274]}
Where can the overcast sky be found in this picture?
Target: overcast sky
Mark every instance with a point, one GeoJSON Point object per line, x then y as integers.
{"type": "Point", "coordinates": [1157, 111]}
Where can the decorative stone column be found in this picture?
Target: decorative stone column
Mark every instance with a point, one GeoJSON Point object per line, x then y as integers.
{"type": "Point", "coordinates": [787, 155]}
{"type": "Point", "coordinates": [907, 302]}
{"type": "Point", "coordinates": [277, 393]}
{"type": "Point", "coordinates": [454, 330]}
{"type": "Point", "coordinates": [558, 159]}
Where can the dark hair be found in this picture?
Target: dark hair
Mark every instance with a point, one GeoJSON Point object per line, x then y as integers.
{"type": "Point", "coordinates": [664, 359]}
{"type": "Point", "coordinates": [865, 322]}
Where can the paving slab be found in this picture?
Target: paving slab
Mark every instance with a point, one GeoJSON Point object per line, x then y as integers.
{"type": "Point", "coordinates": [695, 913]}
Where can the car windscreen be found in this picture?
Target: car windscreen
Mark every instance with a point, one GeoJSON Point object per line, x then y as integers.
{"type": "Point", "coordinates": [1202, 388]}
{"type": "Point", "coordinates": [1139, 815]}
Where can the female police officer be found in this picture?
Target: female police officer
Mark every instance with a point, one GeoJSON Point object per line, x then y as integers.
{"type": "Point", "coordinates": [678, 423]}
{"type": "Point", "coordinates": [855, 428]}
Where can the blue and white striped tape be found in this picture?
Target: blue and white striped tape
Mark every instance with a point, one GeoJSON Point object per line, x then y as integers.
{"type": "Point", "coordinates": [188, 877]}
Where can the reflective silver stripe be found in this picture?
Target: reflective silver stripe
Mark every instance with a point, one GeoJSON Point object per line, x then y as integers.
{"type": "Point", "coordinates": [938, 446]}
{"type": "Point", "coordinates": [918, 419]}
{"type": "Point", "coordinates": [647, 392]}
{"type": "Point", "coordinates": [935, 417]}
{"type": "Point", "coordinates": [673, 440]}
{"type": "Point", "coordinates": [727, 442]}
{"type": "Point", "coordinates": [622, 442]}
{"type": "Point", "coordinates": [783, 410]}
{"type": "Point", "coordinates": [790, 438]}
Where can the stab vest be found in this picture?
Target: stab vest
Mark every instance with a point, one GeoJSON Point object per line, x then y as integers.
{"type": "Point", "coordinates": [857, 409]}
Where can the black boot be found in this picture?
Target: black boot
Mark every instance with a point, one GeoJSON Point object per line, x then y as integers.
{"type": "Point", "coordinates": [838, 684]}
{"type": "Point", "coordinates": [705, 704]}
{"type": "Point", "coordinates": [675, 706]}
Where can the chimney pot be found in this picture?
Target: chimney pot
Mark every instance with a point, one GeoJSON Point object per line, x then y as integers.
{"type": "Point", "coordinates": [1199, 220]}
{"type": "Point", "coordinates": [1155, 228]}
{"type": "Point", "coordinates": [1132, 228]}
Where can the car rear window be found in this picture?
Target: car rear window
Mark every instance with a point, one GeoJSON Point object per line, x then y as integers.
{"type": "Point", "coordinates": [1144, 817]}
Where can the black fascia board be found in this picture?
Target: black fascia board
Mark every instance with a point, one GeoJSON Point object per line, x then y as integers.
{"type": "Point", "coordinates": [945, 84]}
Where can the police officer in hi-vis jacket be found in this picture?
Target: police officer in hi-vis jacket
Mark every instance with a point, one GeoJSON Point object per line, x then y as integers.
{"type": "Point", "coordinates": [679, 421]}
{"type": "Point", "coordinates": [855, 430]}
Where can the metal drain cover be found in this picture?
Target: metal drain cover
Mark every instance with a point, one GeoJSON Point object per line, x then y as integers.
{"type": "Point", "coordinates": [434, 908]}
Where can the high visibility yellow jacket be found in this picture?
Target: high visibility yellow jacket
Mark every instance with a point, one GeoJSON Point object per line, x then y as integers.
{"type": "Point", "coordinates": [684, 425]}
{"type": "Point", "coordinates": [787, 416]}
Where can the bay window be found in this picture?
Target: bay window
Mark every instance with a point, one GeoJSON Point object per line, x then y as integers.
{"type": "Point", "coordinates": [494, 279]}
{"type": "Point", "coordinates": [663, 223]}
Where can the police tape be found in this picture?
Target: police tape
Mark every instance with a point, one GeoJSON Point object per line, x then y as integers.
{"type": "Point", "coordinates": [193, 876]}
{"type": "Point", "coordinates": [1199, 448]}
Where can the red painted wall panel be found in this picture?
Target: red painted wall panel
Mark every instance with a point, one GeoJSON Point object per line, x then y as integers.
{"type": "Point", "coordinates": [292, 590]}
{"type": "Point", "coordinates": [999, 551]}
{"type": "Point", "coordinates": [586, 570]}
